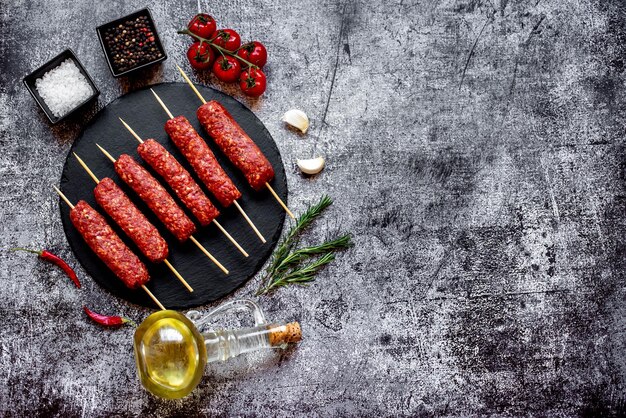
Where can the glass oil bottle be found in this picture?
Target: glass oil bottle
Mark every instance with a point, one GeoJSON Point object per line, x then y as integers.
{"type": "Point", "coordinates": [171, 349]}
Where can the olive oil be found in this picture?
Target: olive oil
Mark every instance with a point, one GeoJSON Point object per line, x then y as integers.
{"type": "Point", "coordinates": [170, 354]}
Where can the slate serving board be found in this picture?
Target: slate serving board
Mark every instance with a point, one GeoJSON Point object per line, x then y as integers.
{"type": "Point", "coordinates": [142, 112]}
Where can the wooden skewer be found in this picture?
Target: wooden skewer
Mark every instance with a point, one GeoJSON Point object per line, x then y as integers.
{"type": "Point", "coordinates": [193, 87]}
{"type": "Point", "coordinates": [219, 226]}
{"type": "Point", "coordinates": [87, 169]}
{"type": "Point", "coordinates": [204, 250]}
{"type": "Point", "coordinates": [252, 225]}
{"type": "Point", "coordinates": [109, 156]}
{"type": "Point", "coordinates": [280, 201]}
{"type": "Point", "coordinates": [177, 274]}
{"type": "Point", "coordinates": [133, 133]}
{"type": "Point", "coordinates": [195, 90]}
{"type": "Point", "coordinates": [208, 254]}
{"type": "Point", "coordinates": [230, 238]}
{"type": "Point", "coordinates": [142, 286]}
{"type": "Point", "coordinates": [162, 105]}
{"type": "Point", "coordinates": [167, 263]}
{"type": "Point", "coordinates": [63, 197]}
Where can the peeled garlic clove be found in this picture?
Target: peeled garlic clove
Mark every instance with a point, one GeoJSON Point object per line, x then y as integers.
{"type": "Point", "coordinates": [297, 118]}
{"type": "Point", "coordinates": [312, 166]}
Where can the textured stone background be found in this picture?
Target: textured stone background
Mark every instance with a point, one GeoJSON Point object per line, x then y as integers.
{"type": "Point", "coordinates": [475, 149]}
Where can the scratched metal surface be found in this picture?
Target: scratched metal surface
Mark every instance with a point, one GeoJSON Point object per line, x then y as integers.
{"type": "Point", "coordinates": [474, 148]}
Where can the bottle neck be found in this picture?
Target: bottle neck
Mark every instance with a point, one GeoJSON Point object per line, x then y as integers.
{"type": "Point", "coordinates": [224, 344]}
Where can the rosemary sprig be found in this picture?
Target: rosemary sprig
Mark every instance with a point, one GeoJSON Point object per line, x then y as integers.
{"type": "Point", "coordinates": [291, 238]}
{"type": "Point", "coordinates": [300, 276]}
{"type": "Point", "coordinates": [294, 266]}
{"type": "Point", "coordinates": [298, 256]}
{"type": "Point", "coordinates": [307, 218]}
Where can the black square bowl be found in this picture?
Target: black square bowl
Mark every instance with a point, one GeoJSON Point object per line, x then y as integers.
{"type": "Point", "coordinates": [101, 30]}
{"type": "Point", "coordinates": [29, 82]}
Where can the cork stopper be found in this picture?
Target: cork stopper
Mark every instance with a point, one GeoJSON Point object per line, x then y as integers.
{"type": "Point", "coordinates": [285, 334]}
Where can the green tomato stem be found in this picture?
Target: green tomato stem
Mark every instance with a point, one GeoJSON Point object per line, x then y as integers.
{"type": "Point", "coordinates": [219, 48]}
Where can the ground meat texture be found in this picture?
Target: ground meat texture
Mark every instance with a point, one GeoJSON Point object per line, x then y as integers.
{"type": "Point", "coordinates": [134, 224]}
{"type": "Point", "coordinates": [202, 159]}
{"type": "Point", "coordinates": [155, 196]}
{"type": "Point", "coordinates": [179, 180]}
{"type": "Point", "coordinates": [108, 246]}
{"type": "Point", "coordinates": [236, 144]}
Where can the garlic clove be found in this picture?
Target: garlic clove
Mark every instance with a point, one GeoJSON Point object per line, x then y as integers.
{"type": "Point", "coordinates": [312, 166]}
{"type": "Point", "coordinates": [296, 118]}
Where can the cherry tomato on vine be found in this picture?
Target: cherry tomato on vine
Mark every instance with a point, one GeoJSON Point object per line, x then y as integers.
{"type": "Point", "coordinates": [253, 82]}
{"type": "Point", "coordinates": [202, 25]}
{"type": "Point", "coordinates": [200, 56]}
{"type": "Point", "coordinates": [227, 69]}
{"type": "Point", "coordinates": [254, 52]}
{"type": "Point", "coordinates": [227, 39]}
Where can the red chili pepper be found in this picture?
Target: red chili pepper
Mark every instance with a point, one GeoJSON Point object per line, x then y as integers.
{"type": "Point", "coordinates": [56, 260]}
{"type": "Point", "coordinates": [109, 321]}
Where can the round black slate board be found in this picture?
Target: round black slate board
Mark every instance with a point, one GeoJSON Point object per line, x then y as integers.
{"type": "Point", "coordinates": [142, 112]}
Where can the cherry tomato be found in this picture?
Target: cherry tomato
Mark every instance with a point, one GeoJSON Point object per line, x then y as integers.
{"type": "Point", "coordinates": [254, 52]}
{"type": "Point", "coordinates": [202, 25]}
{"type": "Point", "coordinates": [200, 56]}
{"type": "Point", "coordinates": [227, 69]}
{"type": "Point", "coordinates": [253, 82]}
{"type": "Point", "coordinates": [227, 39]}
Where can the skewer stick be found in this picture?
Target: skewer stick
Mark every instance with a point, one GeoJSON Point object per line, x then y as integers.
{"type": "Point", "coordinates": [109, 156]}
{"type": "Point", "coordinates": [252, 225]}
{"type": "Point", "coordinates": [137, 137]}
{"type": "Point", "coordinates": [87, 169]}
{"type": "Point", "coordinates": [208, 254]}
{"type": "Point", "coordinates": [167, 263]}
{"type": "Point", "coordinates": [235, 243]}
{"type": "Point", "coordinates": [63, 197]}
{"type": "Point", "coordinates": [204, 250]}
{"type": "Point", "coordinates": [280, 201]}
{"type": "Point", "coordinates": [178, 276]}
{"type": "Point", "coordinates": [195, 90]}
{"type": "Point", "coordinates": [142, 286]}
{"type": "Point", "coordinates": [162, 105]}
{"type": "Point", "coordinates": [82, 163]}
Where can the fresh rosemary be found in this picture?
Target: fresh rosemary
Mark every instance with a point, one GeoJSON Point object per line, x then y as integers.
{"type": "Point", "coordinates": [291, 265]}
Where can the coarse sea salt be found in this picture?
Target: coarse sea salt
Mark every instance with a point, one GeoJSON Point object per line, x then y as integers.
{"type": "Point", "coordinates": [63, 88]}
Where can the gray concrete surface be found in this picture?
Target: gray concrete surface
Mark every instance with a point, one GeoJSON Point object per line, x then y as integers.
{"type": "Point", "coordinates": [474, 148]}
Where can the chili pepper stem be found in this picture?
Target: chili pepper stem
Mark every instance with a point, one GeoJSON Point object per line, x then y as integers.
{"type": "Point", "coordinates": [25, 249]}
{"type": "Point", "coordinates": [129, 321]}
